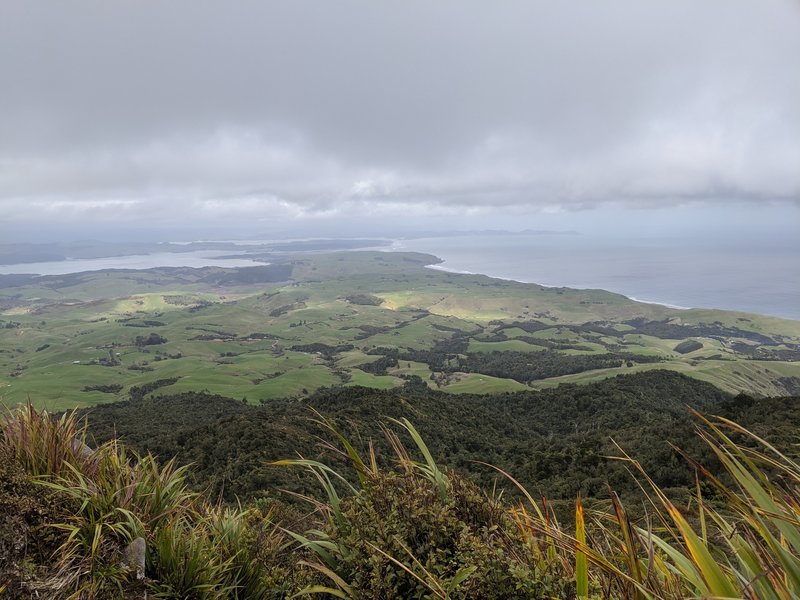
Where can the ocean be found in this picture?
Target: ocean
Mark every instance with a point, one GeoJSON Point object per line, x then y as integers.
{"type": "Point", "coordinates": [759, 276]}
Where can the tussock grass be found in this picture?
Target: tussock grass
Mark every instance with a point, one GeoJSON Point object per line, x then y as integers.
{"type": "Point", "coordinates": [194, 549]}
{"type": "Point", "coordinates": [44, 445]}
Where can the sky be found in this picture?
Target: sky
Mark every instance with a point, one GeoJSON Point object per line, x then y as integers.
{"type": "Point", "coordinates": [186, 119]}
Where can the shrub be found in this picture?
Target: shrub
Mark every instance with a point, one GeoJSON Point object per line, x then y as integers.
{"type": "Point", "coordinates": [688, 346]}
{"type": "Point", "coordinates": [419, 533]}
{"type": "Point", "coordinates": [403, 538]}
{"type": "Point", "coordinates": [149, 340]}
{"type": "Point", "coordinates": [364, 299]}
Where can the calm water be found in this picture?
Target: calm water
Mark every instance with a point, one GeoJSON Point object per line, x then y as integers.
{"type": "Point", "coordinates": [200, 258]}
{"type": "Point", "coordinates": [763, 277]}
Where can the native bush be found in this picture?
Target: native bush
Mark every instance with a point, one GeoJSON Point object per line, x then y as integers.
{"type": "Point", "coordinates": [417, 532]}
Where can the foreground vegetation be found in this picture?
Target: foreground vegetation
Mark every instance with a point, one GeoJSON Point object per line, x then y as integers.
{"type": "Point", "coordinates": [109, 523]}
{"type": "Point", "coordinates": [308, 321]}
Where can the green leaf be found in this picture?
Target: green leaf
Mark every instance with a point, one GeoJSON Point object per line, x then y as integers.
{"type": "Point", "coordinates": [581, 566]}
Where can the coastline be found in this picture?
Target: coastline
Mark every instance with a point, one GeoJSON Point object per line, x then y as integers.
{"type": "Point", "coordinates": [692, 289]}
{"type": "Point", "coordinates": [440, 267]}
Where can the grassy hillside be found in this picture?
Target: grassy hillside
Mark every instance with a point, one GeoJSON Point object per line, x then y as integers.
{"type": "Point", "coordinates": [312, 320]}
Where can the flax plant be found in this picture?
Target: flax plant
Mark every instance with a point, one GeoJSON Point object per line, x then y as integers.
{"type": "Point", "coordinates": [747, 546]}
{"type": "Point", "coordinates": [193, 549]}
{"type": "Point", "coordinates": [45, 446]}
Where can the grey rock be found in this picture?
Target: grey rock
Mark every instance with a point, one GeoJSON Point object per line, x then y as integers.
{"type": "Point", "coordinates": [81, 449]}
{"type": "Point", "coordinates": [135, 557]}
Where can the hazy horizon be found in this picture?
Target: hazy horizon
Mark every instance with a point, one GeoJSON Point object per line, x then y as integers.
{"type": "Point", "coordinates": [744, 224]}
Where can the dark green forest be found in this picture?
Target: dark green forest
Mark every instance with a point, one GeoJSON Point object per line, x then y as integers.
{"type": "Point", "coordinates": [556, 442]}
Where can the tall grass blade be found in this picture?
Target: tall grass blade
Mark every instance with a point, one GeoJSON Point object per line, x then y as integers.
{"type": "Point", "coordinates": [581, 566]}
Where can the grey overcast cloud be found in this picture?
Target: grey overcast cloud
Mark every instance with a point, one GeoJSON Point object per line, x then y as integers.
{"type": "Point", "coordinates": [263, 116]}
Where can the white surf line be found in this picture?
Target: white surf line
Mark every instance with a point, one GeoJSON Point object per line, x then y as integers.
{"type": "Point", "coordinates": [572, 287]}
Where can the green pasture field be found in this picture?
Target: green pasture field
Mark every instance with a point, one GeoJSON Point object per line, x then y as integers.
{"type": "Point", "coordinates": [518, 345]}
{"type": "Point", "coordinates": [476, 383]}
{"type": "Point", "coordinates": [382, 382]}
{"type": "Point", "coordinates": [264, 340]}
